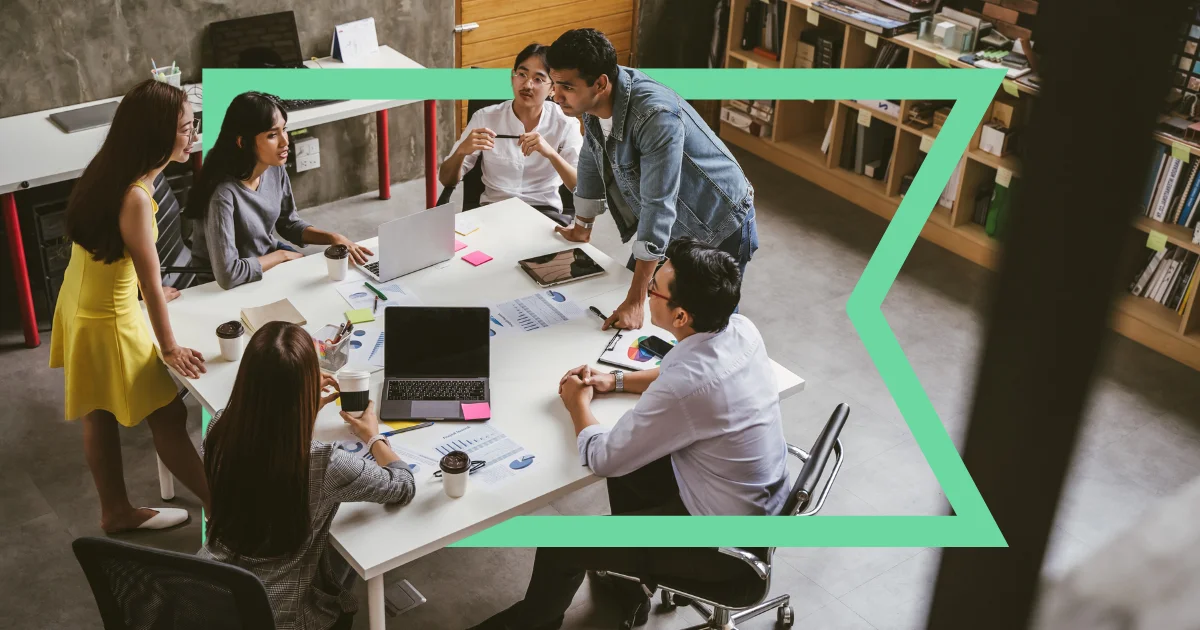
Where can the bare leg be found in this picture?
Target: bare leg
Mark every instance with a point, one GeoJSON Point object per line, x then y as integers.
{"type": "Point", "coordinates": [102, 449]}
{"type": "Point", "coordinates": [168, 424]}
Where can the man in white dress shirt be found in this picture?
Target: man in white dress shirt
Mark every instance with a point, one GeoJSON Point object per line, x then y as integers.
{"type": "Point", "coordinates": [705, 437]}
{"type": "Point", "coordinates": [528, 145]}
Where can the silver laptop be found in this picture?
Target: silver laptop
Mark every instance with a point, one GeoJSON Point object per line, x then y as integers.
{"type": "Point", "coordinates": [412, 242]}
{"type": "Point", "coordinates": [83, 118]}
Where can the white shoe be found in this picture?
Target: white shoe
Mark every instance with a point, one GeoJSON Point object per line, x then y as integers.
{"type": "Point", "coordinates": [166, 518]}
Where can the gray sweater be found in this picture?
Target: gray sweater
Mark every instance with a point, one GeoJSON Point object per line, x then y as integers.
{"type": "Point", "coordinates": [239, 227]}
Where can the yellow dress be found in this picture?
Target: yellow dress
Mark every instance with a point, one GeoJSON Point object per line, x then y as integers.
{"type": "Point", "coordinates": [102, 341]}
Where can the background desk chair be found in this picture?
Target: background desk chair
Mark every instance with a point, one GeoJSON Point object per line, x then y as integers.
{"type": "Point", "coordinates": [178, 268]}
{"type": "Point", "coordinates": [724, 604]}
{"type": "Point", "coordinates": [472, 182]}
{"type": "Point", "coordinates": [139, 588]}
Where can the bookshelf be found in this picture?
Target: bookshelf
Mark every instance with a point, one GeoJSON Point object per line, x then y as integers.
{"type": "Point", "coordinates": [800, 128]}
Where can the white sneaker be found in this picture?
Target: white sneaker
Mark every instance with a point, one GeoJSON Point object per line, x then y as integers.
{"type": "Point", "coordinates": [166, 518]}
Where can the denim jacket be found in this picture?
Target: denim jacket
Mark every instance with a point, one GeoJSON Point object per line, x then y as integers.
{"type": "Point", "coordinates": [676, 176]}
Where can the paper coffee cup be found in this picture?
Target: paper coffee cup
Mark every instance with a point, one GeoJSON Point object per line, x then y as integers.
{"type": "Point", "coordinates": [231, 335]}
{"type": "Point", "coordinates": [355, 386]}
{"type": "Point", "coordinates": [337, 258]}
{"type": "Point", "coordinates": [456, 469]}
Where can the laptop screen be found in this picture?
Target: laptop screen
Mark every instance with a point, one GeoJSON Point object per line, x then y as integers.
{"type": "Point", "coordinates": [262, 41]}
{"type": "Point", "coordinates": [436, 342]}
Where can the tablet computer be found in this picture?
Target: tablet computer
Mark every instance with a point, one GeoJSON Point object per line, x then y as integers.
{"type": "Point", "coordinates": [561, 267]}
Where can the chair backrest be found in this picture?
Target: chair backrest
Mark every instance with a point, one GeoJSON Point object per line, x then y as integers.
{"type": "Point", "coordinates": [810, 474]}
{"type": "Point", "coordinates": [139, 588]}
{"type": "Point", "coordinates": [173, 250]}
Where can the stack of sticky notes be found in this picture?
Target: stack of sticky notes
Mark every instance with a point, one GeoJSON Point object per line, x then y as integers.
{"type": "Point", "coordinates": [360, 315]}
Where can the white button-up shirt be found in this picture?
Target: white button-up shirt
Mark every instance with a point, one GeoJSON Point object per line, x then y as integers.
{"type": "Point", "coordinates": [714, 408]}
{"type": "Point", "coordinates": [506, 172]}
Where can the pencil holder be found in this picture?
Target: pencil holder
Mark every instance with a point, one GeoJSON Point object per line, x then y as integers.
{"type": "Point", "coordinates": [166, 76]}
{"type": "Point", "coordinates": [331, 356]}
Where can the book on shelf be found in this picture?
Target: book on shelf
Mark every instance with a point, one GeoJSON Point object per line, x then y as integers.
{"type": "Point", "coordinates": [983, 201]}
{"type": "Point", "coordinates": [870, 22]}
{"type": "Point", "coordinates": [1000, 209]}
{"type": "Point", "coordinates": [950, 192]}
{"type": "Point", "coordinates": [1172, 190]}
{"type": "Point", "coordinates": [1166, 189]}
{"type": "Point", "coordinates": [891, 9]}
{"type": "Point", "coordinates": [874, 145]}
{"type": "Point", "coordinates": [1167, 277]}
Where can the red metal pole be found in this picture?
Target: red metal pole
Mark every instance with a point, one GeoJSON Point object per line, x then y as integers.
{"type": "Point", "coordinates": [16, 250]}
{"type": "Point", "coordinates": [385, 167]}
{"type": "Point", "coordinates": [431, 180]}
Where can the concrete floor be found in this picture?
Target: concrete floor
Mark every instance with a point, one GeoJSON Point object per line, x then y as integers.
{"type": "Point", "coordinates": [1140, 443]}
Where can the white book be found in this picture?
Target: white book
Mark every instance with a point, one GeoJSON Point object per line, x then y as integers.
{"type": "Point", "coordinates": [1152, 290]}
{"type": "Point", "coordinates": [1164, 287]}
{"type": "Point", "coordinates": [1143, 281]}
{"type": "Point", "coordinates": [828, 138]}
{"type": "Point", "coordinates": [1164, 196]}
{"type": "Point", "coordinates": [1158, 180]}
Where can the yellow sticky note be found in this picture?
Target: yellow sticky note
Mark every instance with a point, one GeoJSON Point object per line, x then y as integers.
{"type": "Point", "coordinates": [359, 316]}
{"type": "Point", "coordinates": [1180, 152]}
{"type": "Point", "coordinates": [401, 425]}
{"type": "Point", "coordinates": [864, 118]}
{"type": "Point", "coordinates": [1011, 88]}
{"type": "Point", "coordinates": [926, 144]}
{"type": "Point", "coordinates": [872, 40]}
{"type": "Point", "coordinates": [814, 18]}
{"type": "Point", "coordinates": [1156, 241]}
{"type": "Point", "coordinates": [1003, 177]}
{"type": "Point", "coordinates": [942, 60]}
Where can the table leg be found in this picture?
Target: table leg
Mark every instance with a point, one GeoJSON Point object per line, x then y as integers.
{"type": "Point", "coordinates": [166, 482]}
{"type": "Point", "coordinates": [16, 251]}
{"type": "Point", "coordinates": [376, 611]}
{"type": "Point", "coordinates": [385, 167]}
{"type": "Point", "coordinates": [431, 180]}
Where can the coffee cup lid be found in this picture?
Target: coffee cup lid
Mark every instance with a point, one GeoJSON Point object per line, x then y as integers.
{"type": "Point", "coordinates": [230, 330]}
{"type": "Point", "coordinates": [353, 373]}
{"type": "Point", "coordinates": [337, 251]}
{"type": "Point", "coordinates": [455, 462]}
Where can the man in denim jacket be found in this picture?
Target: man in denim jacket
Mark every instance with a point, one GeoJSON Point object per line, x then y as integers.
{"type": "Point", "coordinates": [650, 158]}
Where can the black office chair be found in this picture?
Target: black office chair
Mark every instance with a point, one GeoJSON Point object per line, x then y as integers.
{"type": "Point", "coordinates": [472, 182]}
{"type": "Point", "coordinates": [139, 588]}
{"type": "Point", "coordinates": [178, 268]}
{"type": "Point", "coordinates": [724, 604]}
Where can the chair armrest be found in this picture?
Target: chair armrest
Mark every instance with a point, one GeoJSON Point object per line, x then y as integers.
{"type": "Point", "coordinates": [837, 466]}
{"type": "Point", "coordinates": [762, 569]}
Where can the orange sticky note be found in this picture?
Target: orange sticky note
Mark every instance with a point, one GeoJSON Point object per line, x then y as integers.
{"type": "Point", "coordinates": [476, 411]}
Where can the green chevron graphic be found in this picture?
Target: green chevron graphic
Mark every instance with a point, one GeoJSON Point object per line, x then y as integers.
{"type": "Point", "coordinates": [971, 525]}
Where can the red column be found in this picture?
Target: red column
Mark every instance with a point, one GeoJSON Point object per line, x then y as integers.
{"type": "Point", "coordinates": [431, 180]}
{"type": "Point", "coordinates": [385, 167]}
{"type": "Point", "coordinates": [16, 250]}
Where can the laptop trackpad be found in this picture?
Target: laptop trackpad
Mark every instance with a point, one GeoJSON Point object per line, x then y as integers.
{"type": "Point", "coordinates": [436, 409]}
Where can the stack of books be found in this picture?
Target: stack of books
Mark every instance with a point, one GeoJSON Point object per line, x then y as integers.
{"type": "Point", "coordinates": [1172, 189]}
{"type": "Point", "coordinates": [1167, 277]}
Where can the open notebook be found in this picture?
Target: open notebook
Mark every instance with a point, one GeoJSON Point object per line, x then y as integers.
{"type": "Point", "coordinates": [281, 311]}
{"type": "Point", "coordinates": [623, 350]}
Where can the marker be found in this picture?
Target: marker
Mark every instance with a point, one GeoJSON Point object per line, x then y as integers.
{"type": "Point", "coordinates": [375, 291]}
{"type": "Point", "coordinates": [601, 315]}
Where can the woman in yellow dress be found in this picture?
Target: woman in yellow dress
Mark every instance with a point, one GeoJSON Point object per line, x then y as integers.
{"type": "Point", "coordinates": [113, 376]}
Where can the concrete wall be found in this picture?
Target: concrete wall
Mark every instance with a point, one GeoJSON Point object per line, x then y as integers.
{"type": "Point", "coordinates": [62, 52]}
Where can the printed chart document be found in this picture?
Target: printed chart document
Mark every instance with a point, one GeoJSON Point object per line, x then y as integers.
{"type": "Point", "coordinates": [537, 311]}
{"type": "Point", "coordinates": [624, 349]}
{"type": "Point", "coordinates": [505, 458]}
{"type": "Point", "coordinates": [358, 296]}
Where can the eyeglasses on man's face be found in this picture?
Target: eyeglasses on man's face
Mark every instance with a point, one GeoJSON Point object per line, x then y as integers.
{"type": "Point", "coordinates": [521, 76]}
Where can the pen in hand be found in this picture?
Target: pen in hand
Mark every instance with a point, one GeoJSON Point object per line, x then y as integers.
{"type": "Point", "coordinates": [600, 314]}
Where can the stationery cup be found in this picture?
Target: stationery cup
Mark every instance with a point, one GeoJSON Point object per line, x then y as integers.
{"type": "Point", "coordinates": [231, 335]}
{"type": "Point", "coordinates": [355, 386]}
{"type": "Point", "coordinates": [165, 75]}
{"type": "Point", "coordinates": [456, 469]}
{"type": "Point", "coordinates": [337, 257]}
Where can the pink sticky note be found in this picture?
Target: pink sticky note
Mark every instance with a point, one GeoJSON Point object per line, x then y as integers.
{"type": "Point", "coordinates": [476, 411]}
{"type": "Point", "coordinates": [477, 258]}
{"type": "Point", "coordinates": [459, 245]}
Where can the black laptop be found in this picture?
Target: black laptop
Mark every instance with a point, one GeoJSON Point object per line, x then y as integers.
{"type": "Point", "coordinates": [436, 359]}
{"type": "Point", "coordinates": [261, 41]}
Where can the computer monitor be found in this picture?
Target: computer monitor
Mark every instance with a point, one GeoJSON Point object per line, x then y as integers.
{"type": "Point", "coordinates": [436, 342]}
{"type": "Point", "coordinates": [261, 41]}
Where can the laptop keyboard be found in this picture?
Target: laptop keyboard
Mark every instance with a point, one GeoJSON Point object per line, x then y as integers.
{"type": "Point", "coordinates": [435, 390]}
{"type": "Point", "coordinates": [373, 268]}
{"type": "Point", "coordinates": [306, 103]}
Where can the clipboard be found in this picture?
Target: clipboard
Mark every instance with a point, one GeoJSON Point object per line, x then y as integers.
{"type": "Point", "coordinates": [622, 350]}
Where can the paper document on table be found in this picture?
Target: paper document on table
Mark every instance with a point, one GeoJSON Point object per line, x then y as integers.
{"type": "Point", "coordinates": [359, 296]}
{"type": "Point", "coordinates": [366, 345]}
{"type": "Point", "coordinates": [537, 311]}
{"type": "Point", "coordinates": [465, 223]}
{"type": "Point", "coordinates": [624, 349]}
{"type": "Point", "coordinates": [482, 442]}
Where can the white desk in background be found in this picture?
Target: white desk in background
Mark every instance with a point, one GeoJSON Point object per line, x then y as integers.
{"type": "Point", "coordinates": [34, 152]}
{"type": "Point", "coordinates": [525, 370]}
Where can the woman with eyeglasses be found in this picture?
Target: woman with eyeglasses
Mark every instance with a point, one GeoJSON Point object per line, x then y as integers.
{"type": "Point", "coordinates": [528, 146]}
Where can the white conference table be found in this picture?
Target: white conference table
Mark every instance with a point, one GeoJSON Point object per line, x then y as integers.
{"type": "Point", "coordinates": [525, 370]}
{"type": "Point", "coordinates": [39, 153]}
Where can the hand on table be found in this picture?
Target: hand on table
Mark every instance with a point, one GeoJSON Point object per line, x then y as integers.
{"type": "Point", "coordinates": [628, 316]}
{"type": "Point", "coordinates": [574, 233]}
{"type": "Point", "coordinates": [185, 361]}
{"type": "Point", "coordinates": [601, 382]}
{"type": "Point", "coordinates": [328, 382]}
{"type": "Point", "coordinates": [358, 254]}
{"type": "Point", "coordinates": [170, 293]}
{"type": "Point", "coordinates": [575, 393]}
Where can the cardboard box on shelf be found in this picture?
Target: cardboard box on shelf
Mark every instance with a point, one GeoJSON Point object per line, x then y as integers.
{"type": "Point", "coordinates": [805, 54]}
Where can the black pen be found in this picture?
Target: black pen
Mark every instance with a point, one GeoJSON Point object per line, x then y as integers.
{"type": "Point", "coordinates": [476, 465]}
{"type": "Point", "coordinates": [600, 314]}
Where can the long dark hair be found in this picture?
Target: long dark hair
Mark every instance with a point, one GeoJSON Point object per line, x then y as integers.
{"type": "Point", "coordinates": [141, 139]}
{"type": "Point", "coordinates": [250, 114]}
{"type": "Point", "coordinates": [256, 454]}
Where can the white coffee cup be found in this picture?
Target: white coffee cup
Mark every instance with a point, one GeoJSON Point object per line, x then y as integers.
{"type": "Point", "coordinates": [337, 258]}
{"type": "Point", "coordinates": [355, 386]}
{"type": "Point", "coordinates": [455, 474]}
{"type": "Point", "coordinates": [231, 336]}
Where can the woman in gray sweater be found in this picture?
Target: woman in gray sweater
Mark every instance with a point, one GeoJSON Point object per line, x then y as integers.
{"type": "Point", "coordinates": [275, 491]}
{"type": "Point", "coordinates": [244, 197]}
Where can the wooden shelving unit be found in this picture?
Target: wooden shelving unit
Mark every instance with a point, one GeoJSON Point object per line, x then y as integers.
{"type": "Point", "coordinates": [800, 128]}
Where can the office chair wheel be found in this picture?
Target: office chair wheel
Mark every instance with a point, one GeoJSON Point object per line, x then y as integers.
{"type": "Point", "coordinates": [784, 618]}
{"type": "Point", "coordinates": [666, 602]}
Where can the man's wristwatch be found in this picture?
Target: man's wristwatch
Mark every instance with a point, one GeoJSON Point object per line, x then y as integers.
{"type": "Point", "coordinates": [620, 377]}
{"type": "Point", "coordinates": [583, 224]}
